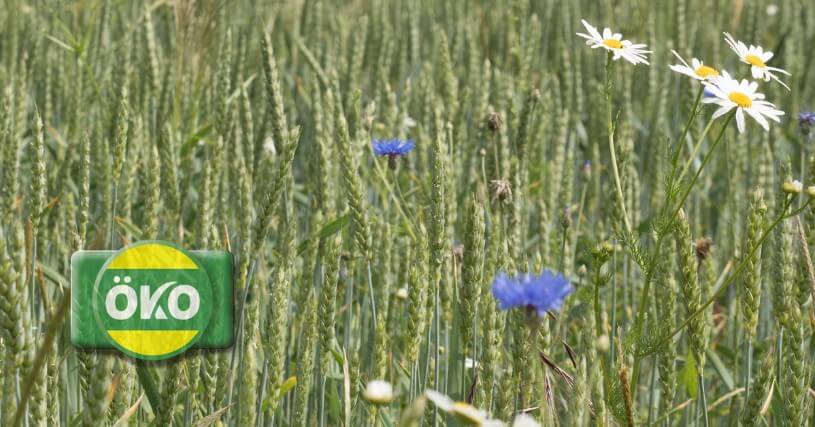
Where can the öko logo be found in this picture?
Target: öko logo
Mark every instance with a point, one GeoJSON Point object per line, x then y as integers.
{"type": "Point", "coordinates": [151, 300]}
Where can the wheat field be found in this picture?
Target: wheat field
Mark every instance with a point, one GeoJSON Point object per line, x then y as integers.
{"type": "Point", "coordinates": [441, 213]}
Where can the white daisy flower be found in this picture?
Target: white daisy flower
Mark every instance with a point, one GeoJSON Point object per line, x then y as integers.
{"type": "Point", "coordinates": [757, 58]}
{"type": "Point", "coordinates": [378, 392]}
{"type": "Point", "coordinates": [729, 93]}
{"type": "Point", "coordinates": [697, 70]}
{"type": "Point", "coordinates": [614, 43]}
{"type": "Point", "coordinates": [466, 413]}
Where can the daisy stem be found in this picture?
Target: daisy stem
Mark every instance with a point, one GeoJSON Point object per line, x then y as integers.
{"type": "Point", "coordinates": [612, 151]}
{"type": "Point", "coordinates": [685, 130]}
{"type": "Point", "coordinates": [696, 149]}
{"type": "Point", "coordinates": [705, 161]}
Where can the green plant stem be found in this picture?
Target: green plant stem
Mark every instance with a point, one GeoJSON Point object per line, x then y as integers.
{"type": "Point", "coordinates": [688, 124]}
{"type": "Point", "coordinates": [54, 328]}
{"type": "Point", "coordinates": [705, 161]}
{"type": "Point", "coordinates": [703, 399]}
{"type": "Point", "coordinates": [612, 151]}
{"type": "Point", "coordinates": [695, 151]}
{"type": "Point", "coordinates": [396, 196]}
{"type": "Point", "coordinates": [649, 274]}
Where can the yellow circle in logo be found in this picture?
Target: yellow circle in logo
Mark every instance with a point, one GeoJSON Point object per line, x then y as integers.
{"type": "Point", "coordinates": [153, 300]}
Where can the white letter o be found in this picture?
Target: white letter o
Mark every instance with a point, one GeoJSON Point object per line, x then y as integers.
{"type": "Point", "coordinates": [192, 310]}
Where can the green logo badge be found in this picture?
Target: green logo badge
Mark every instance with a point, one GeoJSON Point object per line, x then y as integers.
{"type": "Point", "coordinates": [151, 300]}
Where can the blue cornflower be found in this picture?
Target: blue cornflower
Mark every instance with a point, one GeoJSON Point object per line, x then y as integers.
{"type": "Point", "coordinates": [538, 293]}
{"type": "Point", "coordinates": [392, 147]}
{"type": "Point", "coordinates": [806, 121]}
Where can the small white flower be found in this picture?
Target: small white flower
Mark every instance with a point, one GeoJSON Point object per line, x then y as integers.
{"type": "Point", "coordinates": [378, 392]}
{"type": "Point", "coordinates": [772, 9]}
{"type": "Point", "coordinates": [794, 187]}
{"type": "Point", "coordinates": [408, 123]}
{"type": "Point", "coordinates": [523, 420]}
{"type": "Point", "coordinates": [757, 58]}
{"type": "Point", "coordinates": [729, 93]}
{"type": "Point", "coordinates": [614, 43]}
{"type": "Point", "coordinates": [402, 293]}
{"type": "Point", "coordinates": [697, 70]}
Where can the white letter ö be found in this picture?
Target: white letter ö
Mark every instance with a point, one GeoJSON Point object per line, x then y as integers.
{"type": "Point", "coordinates": [130, 297]}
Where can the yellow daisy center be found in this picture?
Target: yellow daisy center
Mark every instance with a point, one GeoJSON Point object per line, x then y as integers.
{"type": "Point", "coordinates": [704, 72]}
{"type": "Point", "coordinates": [755, 60]}
{"type": "Point", "coordinates": [741, 99]}
{"type": "Point", "coordinates": [613, 43]}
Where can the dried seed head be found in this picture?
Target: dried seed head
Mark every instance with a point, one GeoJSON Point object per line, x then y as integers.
{"type": "Point", "coordinates": [566, 217]}
{"type": "Point", "coordinates": [495, 122]}
{"type": "Point", "coordinates": [806, 122]}
{"type": "Point", "coordinates": [586, 169]}
{"type": "Point", "coordinates": [458, 253]}
{"type": "Point", "coordinates": [501, 190]}
{"type": "Point", "coordinates": [703, 248]}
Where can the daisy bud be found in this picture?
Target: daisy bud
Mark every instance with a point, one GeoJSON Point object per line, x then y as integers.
{"type": "Point", "coordinates": [603, 251]}
{"type": "Point", "coordinates": [582, 270]}
{"type": "Point", "coordinates": [378, 392]}
{"type": "Point", "coordinates": [402, 293]}
{"type": "Point", "coordinates": [793, 187]}
{"type": "Point", "coordinates": [811, 191]}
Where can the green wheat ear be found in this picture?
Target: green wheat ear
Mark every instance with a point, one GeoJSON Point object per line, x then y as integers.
{"type": "Point", "coordinates": [472, 274]}
{"type": "Point", "coordinates": [689, 286]}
